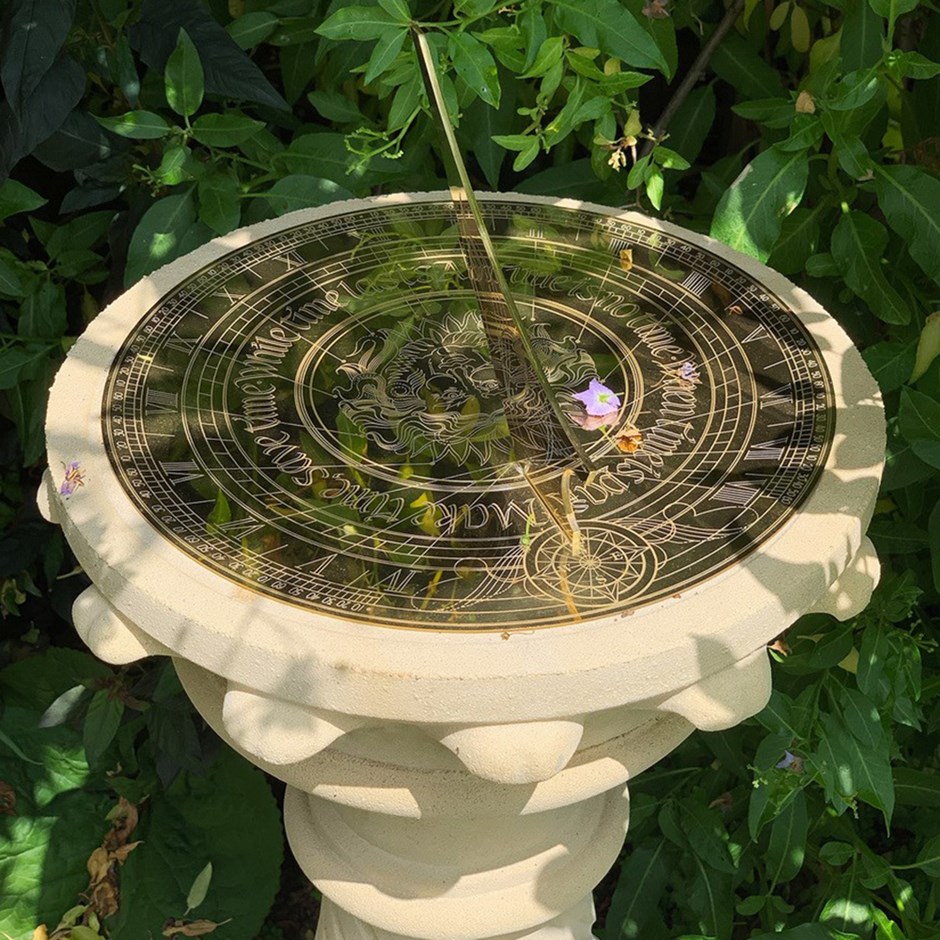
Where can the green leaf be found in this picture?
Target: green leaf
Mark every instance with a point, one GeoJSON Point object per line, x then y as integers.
{"type": "Point", "coordinates": [548, 55]}
{"type": "Point", "coordinates": [897, 536]}
{"type": "Point", "coordinates": [706, 835]}
{"type": "Point", "coordinates": [910, 198]}
{"type": "Point", "coordinates": [200, 888]}
{"type": "Point", "coordinates": [787, 846]}
{"type": "Point", "coordinates": [397, 9]}
{"type": "Point", "coordinates": [526, 156]}
{"type": "Point", "coordinates": [933, 537]}
{"type": "Point", "coordinates": [744, 69]}
{"type": "Point", "coordinates": [225, 130]}
{"type": "Point", "coordinates": [85, 231]}
{"type": "Point", "coordinates": [335, 106]}
{"type": "Point", "coordinates": [184, 79]}
{"type": "Point", "coordinates": [862, 39]}
{"type": "Point", "coordinates": [228, 70]}
{"type": "Point", "coordinates": [475, 66]}
{"type": "Point", "coordinates": [10, 283]}
{"type": "Point", "coordinates": [750, 214]}
{"type": "Point", "coordinates": [249, 29]}
{"type": "Point", "coordinates": [298, 66]}
{"type": "Point", "coordinates": [20, 362]}
{"type": "Point", "coordinates": [832, 648]}
{"type": "Point", "coordinates": [220, 202]}
{"type": "Point", "coordinates": [356, 23]}
{"type": "Point", "coordinates": [693, 122]}
{"type": "Point", "coordinates": [858, 245]}
{"type": "Point", "coordinates": [158, 238]}
{"type": "Point", "coordinates": [862, 717]}
{"type": "Point", "coordinates": [639, 888]}
{"type": "Point", "coordinates": [911, 65]}
{"type": "Point", "coordinates": [836, 853]}
{"type": "Point", "coordinates": [102, 721]}
{"type": "Point", "coordinates": [891, 9]}
{"type": "Point", "coordinates": [139, 125]}
{"type": "Point", "coordinates": [799, 238]}
{"type": "Point", "coordinates": [62, 709]}
{"type": "Point", "coordinates": [16, 198]}
{"type": "Point", "coordinates": [928, 346]}
{"type": "Point", "coordinates": [183, 825]}
{"type": "Point", "coordinates": [606, 25]}
{"type": "Point", "coordinates": [33, 34]}
{"type": "Point", "coordinates": [915, 787]}
{"type": "Point", "coordinates": [43, 313]}
{"type": "Point", "coordinates": [854, 90]}
{"type": "Point", "coordinates": [301, 192]}
{"type": "Point", "coordinates": [48, 869]}
{"type": "Point", "coordinates": [710, 896]}
{"type": "Point", "coordinates": [890, 363]}
{"type": "Point", "coordinates": [848, 909]}
{"type": "Point", "coordinates": [384, 54]}
{"type": "Point", "coordinates": [479, 124]}
{"type": "Point", "coordinates": [919, 423]}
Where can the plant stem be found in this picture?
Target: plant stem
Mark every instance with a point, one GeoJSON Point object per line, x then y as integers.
{"type": "Point", "coordinates": [692, 76]}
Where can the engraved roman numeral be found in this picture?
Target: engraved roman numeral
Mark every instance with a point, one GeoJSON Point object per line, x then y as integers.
{"type": "Point", "coordinates": [737, 494]}
{"type": "Point", "coordinates": [229, 296]}
{"type": "Point", "coordinates": [240, 528]}
{"type": "Point", "coordinates": [293, 259]}
{"type": "Point", "coordinates": [181, 471]}
{"type": "Point", "coordinates": [783, 395]}
{"type": "Point", "coordinates": [696, 282]}
{"type": "Point", "coordinates": [182, 344]}
{"type": "Point", "coordinates": [759, 332]}
{"type": "Point", "coordinates": [767, 450]}
{"type": "Point", "coordinates": [318, 565]}
{"type": "Point", "coordinates": [397, 580]}
{"type": "Point", "coordinates": [160, 403]}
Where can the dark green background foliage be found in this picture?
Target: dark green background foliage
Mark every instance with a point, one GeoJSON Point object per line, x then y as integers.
{"type": "Point", "coordinates": [131, 132]}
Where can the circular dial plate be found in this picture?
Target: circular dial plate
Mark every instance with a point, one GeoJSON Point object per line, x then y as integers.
{"type": "Point", "coordinates": [317, 417]}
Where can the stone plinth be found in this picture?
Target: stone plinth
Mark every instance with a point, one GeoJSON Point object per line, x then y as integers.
{"type": "Point", "coordinates": [454, 784]}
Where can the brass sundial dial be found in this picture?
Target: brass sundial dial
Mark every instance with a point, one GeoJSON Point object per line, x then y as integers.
{"type": "Point", "coordinates": [468, 414]}
{"type": "Point", "coordinates": [460, 413]}
{"type": "Point", "coordinates": [317, 416]}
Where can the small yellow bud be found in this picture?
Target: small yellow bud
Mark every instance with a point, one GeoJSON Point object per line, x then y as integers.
{"type": "Point", "coordinates": [805, 103]}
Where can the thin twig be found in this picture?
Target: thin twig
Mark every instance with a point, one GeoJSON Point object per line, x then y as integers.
{"type": "Point", "coordinates": [692, 76]}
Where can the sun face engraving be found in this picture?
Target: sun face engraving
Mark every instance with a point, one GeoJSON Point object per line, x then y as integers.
{"type": "Point", "coordinates": [317, 417]}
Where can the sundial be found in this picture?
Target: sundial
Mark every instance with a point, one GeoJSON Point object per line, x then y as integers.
{"type": "Point", "coordinates": [462, 414]}
{"type": "Point", "coordinates": [317, 417]}
{"type": "Point", "coordinates": [456, 512]}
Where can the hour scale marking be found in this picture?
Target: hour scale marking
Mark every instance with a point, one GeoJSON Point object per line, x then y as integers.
{"type": "Point", "coordinates": [317, 416]}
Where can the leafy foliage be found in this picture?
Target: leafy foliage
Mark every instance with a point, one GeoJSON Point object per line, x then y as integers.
{"type": "Point", "coordinates": [132, 132]}
{"type": "Point", "coordinates": [74, 757]}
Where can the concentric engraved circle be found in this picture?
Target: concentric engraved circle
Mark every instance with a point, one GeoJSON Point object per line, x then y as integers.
{"type": "Point", "coordinates": [603, 564]}
{"type": "Point", "coordinates": [329, 416]}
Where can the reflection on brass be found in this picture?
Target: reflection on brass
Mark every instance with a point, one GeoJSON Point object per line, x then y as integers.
{"type": "Point", "coordinates": [340, 416]}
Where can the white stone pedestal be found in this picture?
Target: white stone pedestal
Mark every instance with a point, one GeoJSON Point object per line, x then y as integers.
{"type": "Point", "coordinates": [495, 831]}
{"type": "Point", "coordinates": [447, 784]}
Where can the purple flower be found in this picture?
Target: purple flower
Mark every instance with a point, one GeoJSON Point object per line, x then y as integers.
{"type": "Point", "coordinates": [688, 372]}
{"type": "Point", "coordinates": [787, 761]}
{"type": "Point", "coordinates": [74, 478]}
{"type": "Point", "coordinates": [791, 762]}
{"type": "Point", "coordinates": [599, 401]}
